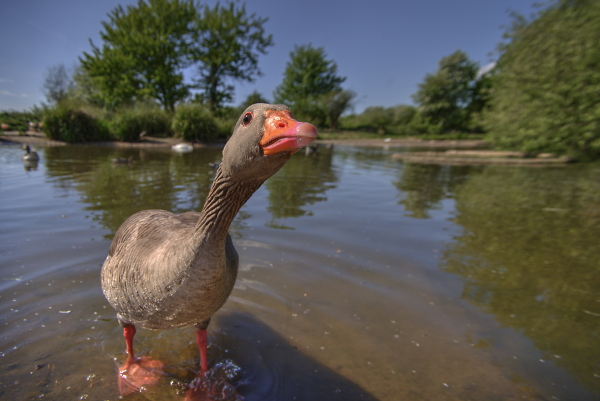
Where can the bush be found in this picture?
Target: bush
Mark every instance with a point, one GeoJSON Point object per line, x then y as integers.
{"type": "Point", "coordinates": [68, 123]}
{"type": "Point", "coordinates": [16, 120]}
{"type": "Point", "coordinates": [194, 122]}
{"type": "Point", "coordinates": [129, 124]}
{"type": "Point", "coordinates": [225, 125]}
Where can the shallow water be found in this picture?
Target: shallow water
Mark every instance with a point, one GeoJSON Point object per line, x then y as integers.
{"type": "Point", "coordinates": [360, 278]}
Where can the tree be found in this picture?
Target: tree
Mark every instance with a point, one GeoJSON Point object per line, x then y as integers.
{"type": "Point", "coordinates": [254, 97]}
{"type": "Point", "coordinates": [335, 103]}
{"type": "Point", "coordinates": [57, 83]}
{"type": "Point", "coordinates": [378, 118]}
{"type": "Point", "coordinates": [445, 97]}
{"type": "Point", "coordinates": [145, 48]}
{"type": "Point", "coordinates": [228, 44]}
{"type": "Point", "coordinates": [84, 90]}
{"type": "Point", "coordinates": [403, 114]}
{"type": "Point", "coordinates": [307, 77]}
{"type": "Point", "coordinates": [544, 95]}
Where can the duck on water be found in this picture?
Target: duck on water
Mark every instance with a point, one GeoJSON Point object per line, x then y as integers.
{"type": "Point", "coordinates": [165, 270]}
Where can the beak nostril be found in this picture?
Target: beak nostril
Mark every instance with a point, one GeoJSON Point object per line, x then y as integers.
{"type": "Point", "coordinates": [281, 124]}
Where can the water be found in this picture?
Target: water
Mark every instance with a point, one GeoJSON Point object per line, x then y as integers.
{"type": "Point", "coordinates": [361, 278]}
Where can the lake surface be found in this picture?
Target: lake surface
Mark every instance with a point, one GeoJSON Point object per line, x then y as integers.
{"type": "Point", "coordinates": [361, 278]}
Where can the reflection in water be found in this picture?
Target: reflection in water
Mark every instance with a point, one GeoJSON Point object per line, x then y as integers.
{"type": "Point", "coordinates": [357, 301]}
{"type": "Point", "coordinates": [303, 180]}
{"type": "Point", "coordinates": [529, 252]}
{"type": "Point", "coordinates": [152, 180]}
{"type": "Point", "coordinates": [30, 165]}
{"type": "Point", "coordinates": [423, 186]}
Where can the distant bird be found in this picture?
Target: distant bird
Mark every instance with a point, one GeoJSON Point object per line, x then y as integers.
{"type": "Point", "coordinates": [309, 150]}
{"type": "Point", "coordinates": [121, 160]}
{"type": "Point", "coordinates": [143, 134]}
{"type": "Point", "coordinates": [165, 270]}
{"type": "Point", "coordinates": [30, 155]}
{"type": "Point", "coordinates": [182, 147]}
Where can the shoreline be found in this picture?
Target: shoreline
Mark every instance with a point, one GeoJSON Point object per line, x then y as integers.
{"type": "Point", "coordinates": [38, 138]}
{"type": "Point", "coordinates": [478, 155]}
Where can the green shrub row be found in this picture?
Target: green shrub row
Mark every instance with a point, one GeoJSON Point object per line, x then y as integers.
{"type": "Point", "coordinates": [129, 124]}
{"type": "Point", "coordinates": [17, 121]}
{"type": "Point", "coordinates": [193, 122]}
{"type": "Point", "coordinates": [190, 122]}
{"type": "Point", "coordinates": [70, 124]}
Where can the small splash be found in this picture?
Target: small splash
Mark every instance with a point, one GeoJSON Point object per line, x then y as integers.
{"type": "Point", "coordinates": [216, 384]}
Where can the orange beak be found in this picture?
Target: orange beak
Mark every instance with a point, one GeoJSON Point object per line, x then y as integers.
{"type": "Point", "coordinates": [283, 133]}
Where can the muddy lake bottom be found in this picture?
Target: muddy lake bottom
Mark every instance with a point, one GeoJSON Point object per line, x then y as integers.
{"type": "Point", "coordinates": [361, 277]}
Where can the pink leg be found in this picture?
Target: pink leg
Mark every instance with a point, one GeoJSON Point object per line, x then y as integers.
{"type": "Point", "coordinates": [128, 333]}
{"type": "Point", "coordinates": [137, 372]}
{"type": "Point", "coordinates": [202, 341]}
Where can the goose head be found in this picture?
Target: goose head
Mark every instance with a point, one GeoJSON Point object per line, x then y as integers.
{"type": "Point", "coordinates": [264, 138]}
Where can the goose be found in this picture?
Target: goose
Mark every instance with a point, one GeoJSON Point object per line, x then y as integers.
{"type": "Point", "coordinates": [165, 270]}
{"type": "Point", "coordinates": [30, 156]}
{"type": "Point", "coordinates": [122, 160]}
{"type": "Point", "coordinates": [182, 147]}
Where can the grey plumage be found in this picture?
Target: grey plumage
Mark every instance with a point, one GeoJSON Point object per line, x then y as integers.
{"type": "Point", "coordinates": [165, 270]}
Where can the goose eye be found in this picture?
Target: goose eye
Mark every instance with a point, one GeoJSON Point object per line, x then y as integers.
{"type": "Point", "coordinates": [247, 118]}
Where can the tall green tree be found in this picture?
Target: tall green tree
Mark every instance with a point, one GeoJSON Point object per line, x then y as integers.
{"type": "Point", "coordinates": [84, 90]}
{"type": "Point", "coordinates": [545, 89]}
{"type": "Point", "coordinates": [307, 77]}
{"type": "Point", "coordinates": [254, 97]}
{"type": "Point", "coordinates": [445, 97]}
{"type": "Point", "coordinates": [228, 43]}
{"type": "Point", "coordinates": [144, 50]}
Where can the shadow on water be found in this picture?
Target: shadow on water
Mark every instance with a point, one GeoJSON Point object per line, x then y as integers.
{"type": "Point", "coordinates": [271, 368]}
{"type": "Point", "coordinates": [277, 370]}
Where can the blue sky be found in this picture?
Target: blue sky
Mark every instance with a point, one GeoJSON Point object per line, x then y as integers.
{"type": "Point", "coordinates": [384, 48]}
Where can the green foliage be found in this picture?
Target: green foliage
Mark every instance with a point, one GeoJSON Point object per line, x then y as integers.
{"type": "Point", "coordinates": [84, 90]}
{"type": "Point", "coordinates": [448, 97]}
{"type": "Point", "coordinates": [17, 120]}
{"type": "Point", "coordinates": [69, 123]}
{"type": "Point", "coordinates": [228, 43]}
{"type": "Point", "coordinates": [194, 122]}
{"type": "Point", "coordinates": [527, 252]}
{"type": "Point", "coordinates": [128, 124]}
{"type": "Point", "coordinates": [378, 118]}
{"type": "Point", "coordinates": [404, 114]}
{"type": "Point", "coordinates": [422, 124]}
{"type": "Point", "coordinates": [253, 98]}
{"type": "Point", "coordinates": [145, 48]}
{"type": "Point", "coordinates": [545, 89]}
{"type": "Point", "coordinates": [381, 120]}
{"type": "Point", "coordinates": [307, 77]}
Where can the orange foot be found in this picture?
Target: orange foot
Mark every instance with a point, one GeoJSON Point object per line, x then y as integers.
{"type": "Point", "coordinates": [139, 372]}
